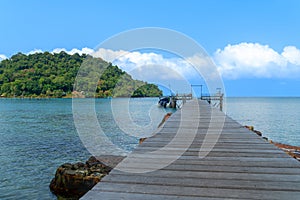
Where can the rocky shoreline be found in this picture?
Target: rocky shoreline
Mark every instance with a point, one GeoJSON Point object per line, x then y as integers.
{"type": "Point", "coordinates": [293, 151]}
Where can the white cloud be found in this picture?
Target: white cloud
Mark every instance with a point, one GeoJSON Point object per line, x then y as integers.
{"type": "Point", "coordinates": [142, 63]}
{"type": "Point", "coordinates": [205, 66]}
{"type": "Point", "coordinates": [84, 50]}
{"type": "Point", "coordinates": [35, 51]}
{"type": "Point", "coordinates": [58, 50]}
{"type": "Point", "coordinates": [154, 67]}
{"type": "Point", "coordinates": [2, 57]}
{"type": "Point", "coordinates": [292, 55]}
{"type": "Point", "coordinates": [107, 54]}
{"type": "Point", "coordinates": [255, 60]}
{"type": "Point", "coordinates": [244, 60]}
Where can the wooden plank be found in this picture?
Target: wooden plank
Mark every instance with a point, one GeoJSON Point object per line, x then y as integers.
{"type": "Point", "coordinates": [218, 158]}
{"type": "Point", "coordinates": [214, 168]}
{"type": "Point", "coordinates": [197, 191]}
{"type": "Point", "coordinates": [203, 182]}
{"type": "Point", "coordinates": [198, 143]}
{"type": "Point", "coordinates": [193, 157]}
{"type": "Point", "coordinates": [106, 195]}
{"type": "Point", "coordinates": [220, 175]}
{"type": "Point", "coordinates": [216, 148]}
{"type": "Point", "coordinates": [226, 162]}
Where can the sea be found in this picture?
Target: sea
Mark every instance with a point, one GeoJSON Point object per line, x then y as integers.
{"type": "Point", "coordinates": [38, 135]}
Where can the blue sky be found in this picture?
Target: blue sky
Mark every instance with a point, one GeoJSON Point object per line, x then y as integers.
{"type": "Point", "coordinates": [234, 33]}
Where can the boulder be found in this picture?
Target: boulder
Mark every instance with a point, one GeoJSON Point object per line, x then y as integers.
{"type": "Point", "coordinates": [251, 128]}
{"type": "Point", "coordinates": [257, 132]}
{"type": "Point", "coordinates": [72, 181]}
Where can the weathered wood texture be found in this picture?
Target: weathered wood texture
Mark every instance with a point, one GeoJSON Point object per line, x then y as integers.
{"type": "Point", "coordinates": [241, 165]}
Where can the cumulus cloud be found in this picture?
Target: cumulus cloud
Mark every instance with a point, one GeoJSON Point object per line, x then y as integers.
{"type": "Point", "coordinates": [35, 51]}
{"type": "Point", "coordinates": [154, 67]}
{"type": "Point", "coordinates": [2, 57]}
{"type": "Point", "coordinates": [84, 50]}
{"type": "Point", "coordinates": [244, 60]}
{"type": "Point", "coordinates": [256, 60]}
{"type": "Point", "coordinates": [142, 63]}
{"type": "Point", "coordinates": [292, 55]}
{"type": "Point", "coordinates": [108, 54]}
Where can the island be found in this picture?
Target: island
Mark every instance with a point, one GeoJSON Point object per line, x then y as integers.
{"type": "Point", "coordinates": [52, 75]}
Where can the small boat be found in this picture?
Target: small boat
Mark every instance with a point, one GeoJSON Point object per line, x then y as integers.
{"type": "Point", "coordinates": [169, 102]}
{"type": "Point", "coordinates": [164, 101]}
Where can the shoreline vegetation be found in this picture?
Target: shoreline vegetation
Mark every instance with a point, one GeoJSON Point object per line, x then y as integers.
{"type": "Point", "coordinates": [60, 75]}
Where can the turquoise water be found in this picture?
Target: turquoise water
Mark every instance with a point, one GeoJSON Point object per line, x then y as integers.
{"type": "Point", "coordinates": [36, 137]}
{"type": "Point", "coordinates": [277, 118]}
{"type": "Point", "coordinates": [39, 135]}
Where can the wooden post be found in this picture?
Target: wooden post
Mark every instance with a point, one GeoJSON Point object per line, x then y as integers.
{"type": "Point", "coordinates": [221, 102]}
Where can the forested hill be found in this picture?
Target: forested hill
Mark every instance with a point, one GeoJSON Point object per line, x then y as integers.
{"type": "Point", "coordinates": [53, 75]}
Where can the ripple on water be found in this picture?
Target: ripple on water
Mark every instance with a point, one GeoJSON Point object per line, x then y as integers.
{"type": "Point", "coordinates": [39, 135]}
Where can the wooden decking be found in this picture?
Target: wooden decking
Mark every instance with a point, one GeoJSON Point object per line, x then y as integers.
{"type": "Point", "coordinates": [241, 165]}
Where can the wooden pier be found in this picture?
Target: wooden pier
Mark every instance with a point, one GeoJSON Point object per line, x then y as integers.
{"type": "Point", "coordinates": [241, 165]}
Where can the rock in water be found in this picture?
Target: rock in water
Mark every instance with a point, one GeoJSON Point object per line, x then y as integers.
{"type": "Point", "coordinates": [72, 181]}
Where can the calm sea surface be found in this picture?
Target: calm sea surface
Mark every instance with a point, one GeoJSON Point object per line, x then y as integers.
{"type": "Point", "coordinates": [277, 118]}
{"type": "Point", "coordinates": [36, 136]}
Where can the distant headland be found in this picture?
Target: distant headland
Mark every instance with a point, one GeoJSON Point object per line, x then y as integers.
{"type": "Point", "coordinates": [52, 75]}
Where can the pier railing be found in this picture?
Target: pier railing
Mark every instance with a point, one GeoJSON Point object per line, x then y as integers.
{"type": "Point", "coordinates": [184, 96]}
{"type": "Point", "coordinates": [218, 98]}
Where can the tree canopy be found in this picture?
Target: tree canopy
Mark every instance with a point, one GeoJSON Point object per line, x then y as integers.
{"type": "Point", "coordinates": [53, 75]}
